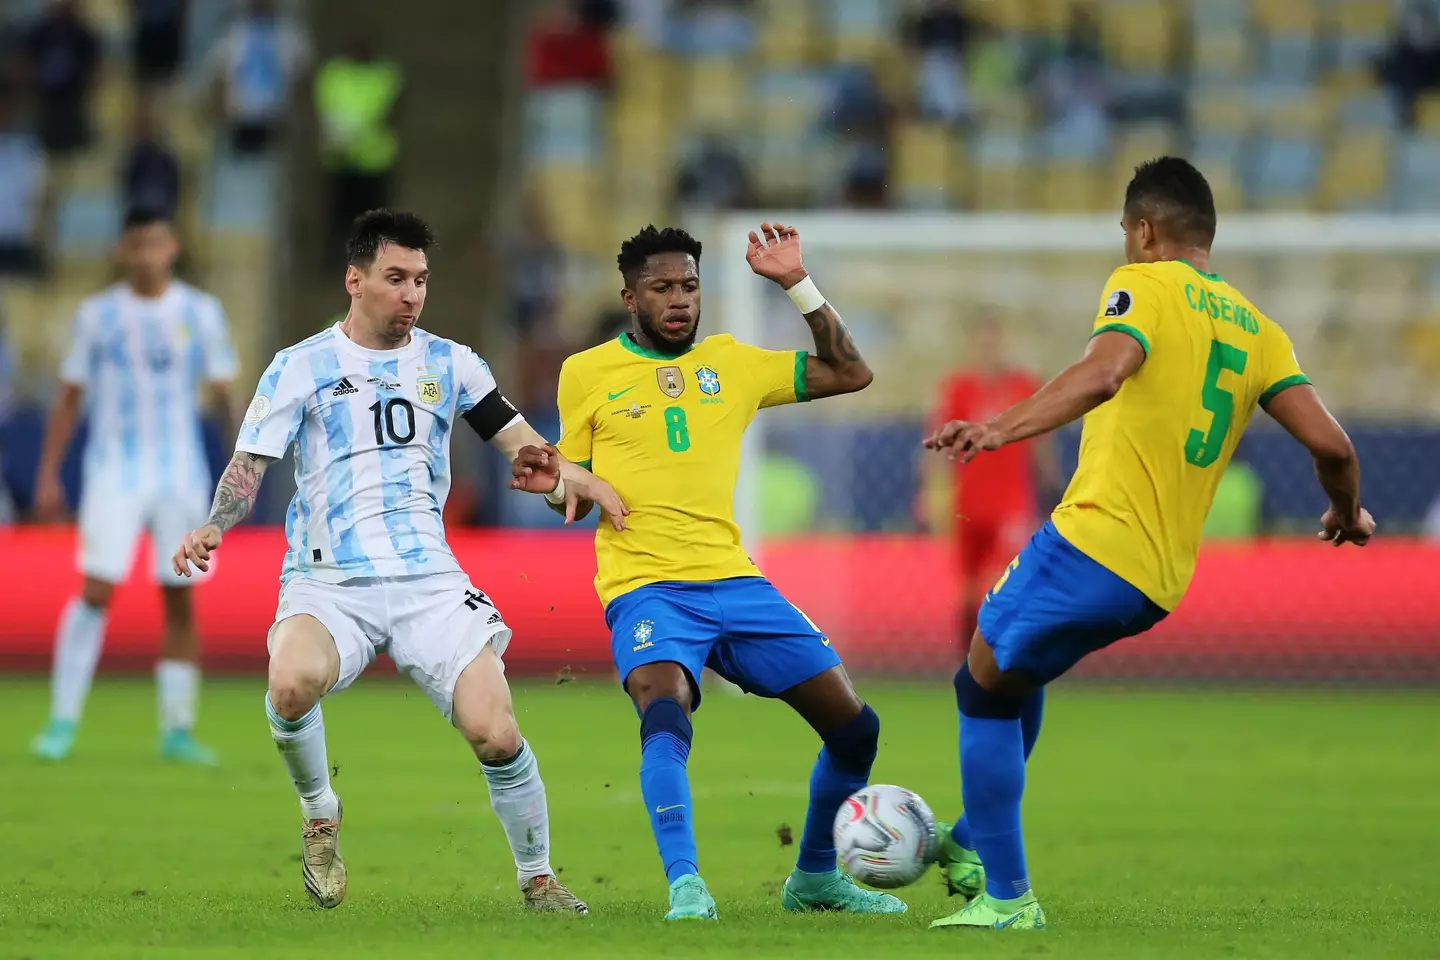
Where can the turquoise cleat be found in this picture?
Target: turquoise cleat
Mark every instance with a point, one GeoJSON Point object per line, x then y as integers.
{"type": "Point", "coordinates": [834, 891]}
{"type": "Point", "coordinates": [1022, 913]}
{"type": "Point", "coordinates": [960, 868]}
{"type": "Point", "coordinates": [690, 900]}
{"type": "Point", "coordinates": [55, 741]}
{"type": "Point", "coordinates": [178, 746]}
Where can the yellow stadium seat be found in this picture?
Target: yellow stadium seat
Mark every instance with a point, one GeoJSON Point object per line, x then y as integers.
{"type": "Point", "coordinates": [1135, 145]}
{"type": "Point", "coordinates": [1427, 112]}
{"type": "Point", "coordinates": [1226, 111]}
{"type": "Point", "coordinates": [1357, 169]}
{"type": "Point", "coordinates": [1049, 16]}
{"type": "Point", "coordinates": [999, 186]}
{"type": "Point", "coordinates": [1298, 115]}
{"type": "Point", "coordinates": [1225, 186]}
{"type": "Point", "coordinates": [1139, 34]}
{"type": "Point", "coordinates": [1002, 14]}
{"type": "Point", "coordinates": [717, 94]}
{"type": "Point", "coordinates": [1421, 342]}
{"type": "Point", "coordinates": [1361, 18]}
{"type": "Point", "coordinates": [1287, 16]}
{"type": "Point", "coordinates": [1067, 187]}
{"type": "Point", "coordinates": [923, 155]}
{"type": "Point", "coordinates": [1221, 53]}
{"type": "Point", "coordinates": [786, 32]}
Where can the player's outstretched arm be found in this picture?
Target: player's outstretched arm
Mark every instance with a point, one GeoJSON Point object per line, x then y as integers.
{"type": "Point", "coordinates": [234, 498]}
{"type": "Point", "coordinates": [836, 366]}
{"type": "Point", "coordinates": [569, 488]}
{"type": "Point", "coordinates": [1110, 359]}
{"type": "Point", "coordinates": [1302, 413]}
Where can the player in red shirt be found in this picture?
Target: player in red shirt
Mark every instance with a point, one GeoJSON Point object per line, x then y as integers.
{"type": "Point", "coordinates": [993, 502]}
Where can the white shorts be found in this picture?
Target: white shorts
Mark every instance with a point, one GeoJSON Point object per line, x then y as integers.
{"type": "Point", "coordinates": [111, 524]}
{"type": "Point", "coordinates": [432, 626]}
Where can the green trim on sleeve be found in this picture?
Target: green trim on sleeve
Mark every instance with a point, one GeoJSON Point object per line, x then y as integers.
{"type": "Point", "coordinates": [583, 464]}
{"type": "Point", "coordinates": [1281, 386]}
{"type": "Point", "coordinates": [801, 394]}
{"type": "Point", "coordinates": [1126, 329]}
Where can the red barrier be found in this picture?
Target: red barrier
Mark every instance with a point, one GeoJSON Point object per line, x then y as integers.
{"type": "Point", "coordinates": [1275, 608]}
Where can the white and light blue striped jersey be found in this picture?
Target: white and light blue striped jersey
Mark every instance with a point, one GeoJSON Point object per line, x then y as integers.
{"type": "Point", "coordinates": [371, 433]}
{"type": "Point", "coordinates": [141, 363]}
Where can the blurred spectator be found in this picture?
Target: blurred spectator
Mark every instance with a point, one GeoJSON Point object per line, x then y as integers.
{"type": "Point", "coordinates": [62, 59]}
{"type": "Point", "coordinates": [1411, 64]}
{"type": "Point", "coordinates": [714, 177]}
{"type": "Point", "coordinates": [861, 115]}
{"type": "Point", "coordinates": [570, 43]}
{"type": "Point", "coordinates": [1072, 91]}
{"type": "Point", "coordinates": [7, 378]}
{"type": "Point", "coordinates": [1235, 512]}
{"type": "Point", "coordinates": [536, 270]}
{"type": "Point", "coordinates": [22, 184]}
{"type": "Point", "coordinates": [158, 39]}
{"type": "Point", "coordinates": [150, 175]}
{"type": "Point", "coordinates": [609, 325]}
{"type": "Point", "coordinates": [257, 63]}
{"type": "Point", "coordinates": [940, 33]}
{"type": "Point", "coordinates": [356, 93]}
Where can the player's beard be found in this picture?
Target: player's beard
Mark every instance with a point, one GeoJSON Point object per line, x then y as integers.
{"type": "Point", "coordinates": [659, 340]}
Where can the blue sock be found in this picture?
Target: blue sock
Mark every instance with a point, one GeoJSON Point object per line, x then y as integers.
{"type": "Point", "coordinates": [665, 734]}
{"type": "Point", "coordinates": [842, 768]}
{"type": "Point", "coordinates": [1030, 722]}
{"type": "Point", "coordinates": [992, 781]}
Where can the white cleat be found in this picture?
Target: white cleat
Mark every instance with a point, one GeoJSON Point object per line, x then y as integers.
{"type": "Point", "coordinates": [548, 894]}
{"type": "Point", "coordinates": [320, 862]}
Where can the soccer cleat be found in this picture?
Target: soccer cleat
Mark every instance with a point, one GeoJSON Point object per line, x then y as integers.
{"type": "Point", "coordinates": [1022, 913]}
{"type": "Point", "coordinates": [834, 891]}
{"type": "Point", "coordinates": [960, 869]}
{"type": "Point", "coordinates": [178, 746]}
{"type": "Point", "coordinates": [320, 862]}
{"type": "Point", "coordinates": [55, 741]}
{"type": "Point", "coordinates": [548, 894]}
{"type": "Point", "coordinates": [690, 900]}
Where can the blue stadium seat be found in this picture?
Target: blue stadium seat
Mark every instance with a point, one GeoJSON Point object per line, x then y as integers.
{"type": "Point", "coordinates": [564, 124]}
{"type": "Point", "coordinates": [1416, 185]}
{"type": "Point", "coordinates": [1282, 168]}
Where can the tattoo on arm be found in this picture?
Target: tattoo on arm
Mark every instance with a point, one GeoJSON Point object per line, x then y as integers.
{"type": "Point", "coordinates": [833, 343]}
{"type": "Point", "coordinates": [238, 487]}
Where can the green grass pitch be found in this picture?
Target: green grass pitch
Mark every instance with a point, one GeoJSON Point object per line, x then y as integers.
{"type": "Point", "coordinates": [1195, 823]}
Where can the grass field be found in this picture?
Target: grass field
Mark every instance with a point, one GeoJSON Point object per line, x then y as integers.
{"type": "Point", "coordinates": [1196, 824]}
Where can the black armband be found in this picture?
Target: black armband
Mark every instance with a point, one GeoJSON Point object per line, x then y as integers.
{"type": "Point", "coordinates": [491, 415]}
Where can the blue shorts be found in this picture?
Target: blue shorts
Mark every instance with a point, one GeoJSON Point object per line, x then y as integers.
{"type": "Point", "coordinates": [1056, 605]}
{"type": "Point", "coordinates": [743, 629]}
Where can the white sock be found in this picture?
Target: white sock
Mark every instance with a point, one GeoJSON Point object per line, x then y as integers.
{"type": "Point", "coordinates": [518, 796]}
{"type": "Point", "coordinates": [177, 686]}
{"type": "Point", "coordinates": [302, 747]}
{"type": "Point", "coordinates": [77, 650]}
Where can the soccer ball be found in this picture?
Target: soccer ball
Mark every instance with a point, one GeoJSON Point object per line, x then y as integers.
{"type": "Point", "coordinates": [885, 836]}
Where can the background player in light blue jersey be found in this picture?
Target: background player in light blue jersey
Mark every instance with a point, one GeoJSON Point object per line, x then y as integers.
{"type": "Point", "coordinates": [368, 405]}
{"type": "Point", "coordinates": [139, 355]}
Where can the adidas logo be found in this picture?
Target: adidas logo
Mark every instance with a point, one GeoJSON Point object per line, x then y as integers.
{"type": "Point", "coordinates": [344, 388]}
{"type": "Point", "coordinates": [494, 618]}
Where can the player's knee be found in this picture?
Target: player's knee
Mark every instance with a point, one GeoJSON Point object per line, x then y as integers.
{"type": "Point", "coordinates": [976, 701]}
{"type": "Point", "coordinates": [294, 689]}
{"type": "Point", "coordinates": [662, 681]}
{"type": "Point", "coordinates": [179, 611]}
{"type": "Point", "coordinates": [855, 744]}
{"type": "Point", "coordinates": [666, 715]}
{"type": "Point", "coordinates": [493, 736]}
{"type": "Point", "coordinates": [96, 593]}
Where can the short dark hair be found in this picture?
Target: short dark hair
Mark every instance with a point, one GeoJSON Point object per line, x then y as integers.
{"type": "Point", "coordinates": [1172, 194]}
{"type": "Point", "coordinates": [137, 217]}
{"type": "Point", "coordinates": [375, 228]}
{"type": "Point", "coordinates": [650, 241]}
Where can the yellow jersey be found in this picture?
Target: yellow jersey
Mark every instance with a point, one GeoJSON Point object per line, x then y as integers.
{"type": "Point", "coordinates": [665, 432]}
{"type": "Point", "coordinates": [1152, 457]}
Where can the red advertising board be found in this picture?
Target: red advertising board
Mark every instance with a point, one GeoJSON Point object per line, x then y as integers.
{"type": "Point", "coordinates": [1278, 608]}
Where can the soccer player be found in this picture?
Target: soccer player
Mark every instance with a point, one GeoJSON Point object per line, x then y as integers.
{"type": "Point", "coordinates": [992, 502]}
{"type": "Point", "coordinates": [369, 404]}
{"type": "Point", "coordinates": [661, 417]}
{"type": "Point", "coordinates": [1177, 363]}
{"type": "Point", "coordinates": [138, 355]}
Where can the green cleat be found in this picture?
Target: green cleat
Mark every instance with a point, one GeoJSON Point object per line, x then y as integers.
{"type": "Point", "coordinates": [834, 891]}
{"type": "Point", "coordinates": [691, 900]}
{"type": "Point", "coordinates": [55, 741]}
{"type": "Point", "coordinates": [960, 868]}
{"type": "Point", "coordinates": [177, 746]}
{"type": "Point", "coordinates": [1022, 913]}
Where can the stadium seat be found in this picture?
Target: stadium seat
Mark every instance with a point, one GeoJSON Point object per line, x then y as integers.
{"type": "Point", "coordinates": [1221, 52]}
{"type": "Point", "coordinates": [1427, 113]}
{"type": "Point", "coordinates": [1139, 35]}
{"type": "Point", "coordinates": [787, 32]}
{"type": "Point", "coordinates": [1356, 170]}
{"type": "Point", "coordinates": [1283, 172]}
{"type": "Point", "coordinates": [1000, 171]}
{"type": "Point", "coordinates": [1221, 111]}
{"type": "Point", "coordinates": [1068, 186]}
{"type": "Point", "coordinates": [1416, 185]}
{"type": "Point", "coordinates": [861, 30]}
{"type": "Point", "coordinates": [718, 92]}
{"type": "Point", "coordinates": [924, 156]}
{"type": "Point", "coordinates": [563, 124]}
{"type": "Point", "coordinates": [1288, 110]}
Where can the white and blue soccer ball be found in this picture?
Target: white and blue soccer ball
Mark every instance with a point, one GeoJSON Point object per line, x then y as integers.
{"type": "Point", "coordinates": [885, 836]}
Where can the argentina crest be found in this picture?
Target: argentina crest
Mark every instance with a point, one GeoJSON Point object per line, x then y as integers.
{"type": "Point", "coordinates": [429, 391]}
{"type": "Point", "coordinates": [671, 380]}
{"type": "Point", "coordinates": [709, 381]}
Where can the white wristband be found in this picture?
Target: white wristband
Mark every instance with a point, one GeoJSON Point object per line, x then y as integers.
{"type": "Point", "coordinates": [806, 297]}
{"type": "Point", "coordinates": [557, 496]}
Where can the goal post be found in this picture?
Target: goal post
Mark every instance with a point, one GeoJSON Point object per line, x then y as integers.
{"type": "Point", "coordinates": [1359, 294]}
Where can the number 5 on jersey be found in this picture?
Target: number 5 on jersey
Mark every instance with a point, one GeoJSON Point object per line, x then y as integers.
{"type": "Point", "coordinates": [1203, 449]}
